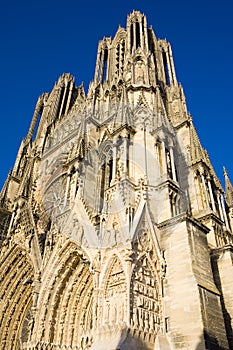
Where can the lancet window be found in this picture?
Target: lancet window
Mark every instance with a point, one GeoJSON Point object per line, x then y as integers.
{"type": "Point", "coordinates": [175, 204]}
{"type": "Point", "coordinates": [138, 42]}
{"type": "Point", "coordinates": [106, 174]}
{"type": "Point", "coordinates": [166, 70]}
{"type": "Point", "coordinates": [171, 165]}
{"type": "Point", "coordinates": [168, 163]}
{"type": "Point", "coordinates": [166, 160]}
{"type": "Point", "coordinates": [135, 35]}
{"type": "Point", "coordinates": [159, 156]}
{"type": "Point", "coordinates": [210, 197]}
{"type": "Point", "coordinates": [64, 98]}
{"type": "Point", "coordinates": [103, 65]}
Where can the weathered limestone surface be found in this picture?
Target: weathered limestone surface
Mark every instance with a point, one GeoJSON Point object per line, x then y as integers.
{"type": "Point", "coordinates": [115, 232]}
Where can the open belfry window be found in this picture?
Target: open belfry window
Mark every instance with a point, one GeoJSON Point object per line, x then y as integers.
{"type": "Point", "coordinates": [131, 37]}
{"type": "Point", "coordinates": [137, 39]}
{"type": "Point", "coordinates": [166, 70]}
{"type": "Point", "coordinates": [103, 65]}
{"type": "Point", "coordinates": [168, 163]}
{"type": "Point", "coordinates": [106, 175]}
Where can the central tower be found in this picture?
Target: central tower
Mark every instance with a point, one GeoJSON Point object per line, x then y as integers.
{"type": "Point", "coordinates": [115, 231]}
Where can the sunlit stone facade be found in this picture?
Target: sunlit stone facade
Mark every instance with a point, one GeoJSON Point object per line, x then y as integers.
{"type": "Point", "coordinates": [115, 231]}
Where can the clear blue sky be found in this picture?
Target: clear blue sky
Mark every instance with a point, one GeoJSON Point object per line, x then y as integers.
{"type": "Point", "coordinates": [40, 40]}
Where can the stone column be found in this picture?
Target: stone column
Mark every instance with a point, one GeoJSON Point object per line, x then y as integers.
{"type": "Point", "coordinates": [76, 179]}
{"type": "Point", "coordinates": [125, 154]}
{"type": "Point", "coordinates": [211, 194]}
{"type": "Point", "coordinates": [199, 196]}
{"type": "Point", "coordinates": [163, 156]}
{"type": "Point", "coordinates": [67, 188]}
{"type": "Point", "coordinates": [224, 213]}
{"type": "Point", "coordinates": [220, 206]}
{"type": "Point", "coordinates": [173, 164]}
{"type": "Point", "coordinates": [114, 155]}
{"type": "Point", "coordinates": [205, 189]}
{"type": "Point", "coordinates": [69, 97]}
{"type": "Point", "coordinates": [12, 219]}
{"type": "Point", "coordinates": [141, 36]}
{"type": "Point", "coordinates": [170, 80]}
{"type": "Point", "coordinates": [134, 36]}
{"type": "Point", "coordinates": [63, 100]}
{"type": "Point", "coordinates": [172, 65]}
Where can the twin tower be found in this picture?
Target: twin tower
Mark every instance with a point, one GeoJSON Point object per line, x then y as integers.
{"type": "Point", "coordinates": [115, 232]}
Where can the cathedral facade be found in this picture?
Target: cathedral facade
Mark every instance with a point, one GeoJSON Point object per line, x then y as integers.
{"type": "Point", "coordinates": [115, 231]}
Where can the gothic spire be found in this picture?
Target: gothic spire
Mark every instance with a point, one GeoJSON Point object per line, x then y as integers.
{"type": "Point", "coordinates": [228, 189]}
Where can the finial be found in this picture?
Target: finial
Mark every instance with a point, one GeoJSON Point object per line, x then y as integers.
{"type": "Point", "coordinates": [225, 172]}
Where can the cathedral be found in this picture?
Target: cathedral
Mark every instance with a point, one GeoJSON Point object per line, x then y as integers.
{"type": "Point", "coordinates": [115, 232]}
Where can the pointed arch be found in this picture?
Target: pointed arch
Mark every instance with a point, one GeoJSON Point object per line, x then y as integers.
{"type": "Point", "coordinates": [119, 45]}
{"type": "Point", "coordinates": [106, 170]}
{"type": "Point", "coordinates": [146, 279]}
{"type": "Point", "coordinates": [114, 293]}
{"type": "Point", "coordinates": [16, 277]}
{"type": "Point", "coordinates": [65, 306]}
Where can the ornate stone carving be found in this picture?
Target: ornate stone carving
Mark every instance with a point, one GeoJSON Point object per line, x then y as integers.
{"type": "Point", "coordinates": [146, 299]}
{"type": "Point", "coordinates": [115, 214]}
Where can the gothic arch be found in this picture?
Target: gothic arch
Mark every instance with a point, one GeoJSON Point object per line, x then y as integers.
{"type": "Point", "coordinates": [145, 299]}
{"type": "Point", "coordinates": [16, 276]}
{"type": "Point", "coordinates": [119, 45]}
{"type": "Point", "coordinates": [120, 35]}
{"type": "Point", "coordinates": [65, 314]}
{"type": "Point", "coordinates": [114, 293]}
{"type": "Point", "coordinates": [105, 170]}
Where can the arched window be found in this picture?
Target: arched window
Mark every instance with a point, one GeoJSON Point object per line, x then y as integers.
{"type": "Point", "coordinates": [103, 65]}
{"type": "Point", "coordinates": [175, 204]}
{"type": "Point", "coordinates": [166, 70]}
{"type": "Point", "coordinates": [138, 41]}
{"type": "Point", "coordinates": [105, 174]}
{"type": "Point", "coordinates": [131, 37]}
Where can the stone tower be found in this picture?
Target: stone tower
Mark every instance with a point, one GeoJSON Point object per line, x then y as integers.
{"type": "Point", "coordinates": [115, 232]}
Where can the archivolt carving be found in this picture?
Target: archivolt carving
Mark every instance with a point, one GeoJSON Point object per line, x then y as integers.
{"type": "Point", "coordinates": [114, 293]}
{"type": "Point", "coordinates": [16, 276]}
{"type": "Point", "coordinates": [65, 314]}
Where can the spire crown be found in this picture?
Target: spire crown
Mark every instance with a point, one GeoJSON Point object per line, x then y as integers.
{"type": "Point", "coordinates": [120, 57]}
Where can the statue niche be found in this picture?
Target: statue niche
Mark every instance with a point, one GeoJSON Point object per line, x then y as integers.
{"type": "Point", "coordinates": [114, 298]}
{"type": "Point", "coordinates": [140, 72]}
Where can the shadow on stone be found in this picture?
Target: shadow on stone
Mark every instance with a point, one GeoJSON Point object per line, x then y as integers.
{"type": "Point", "coordinates": [210, 343]}
{"type": "Point", "coordinates": [227, 317]}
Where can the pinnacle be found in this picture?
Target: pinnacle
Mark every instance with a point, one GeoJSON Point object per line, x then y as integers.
{"type": "Point", "coordinates": [225, 172]}
{"type": "Point", "coordinates": [228, 189]}
{"type": "Point", "coordinates": [197, 152]}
